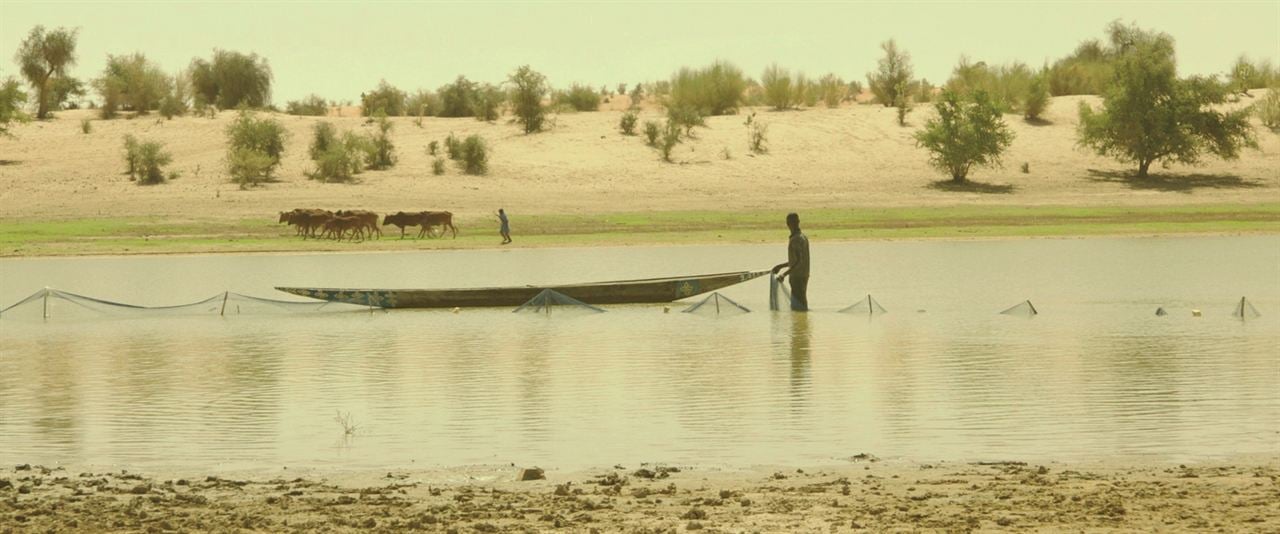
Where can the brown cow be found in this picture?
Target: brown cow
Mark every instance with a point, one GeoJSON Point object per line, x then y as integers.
{"type": "Point", "coordinates": [307, 220]}
{"type": "Point", "coordinates": [338, 225]}
{"type": "Point", "coordinates": [402, 219]}
{"type": "Point", "coordinates": [368, 218]}
{"type": "Point", "coordinates": [443, 219]}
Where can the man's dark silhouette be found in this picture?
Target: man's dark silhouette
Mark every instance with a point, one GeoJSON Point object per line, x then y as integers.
{"type": "Point", "coordinates": [797, 265]}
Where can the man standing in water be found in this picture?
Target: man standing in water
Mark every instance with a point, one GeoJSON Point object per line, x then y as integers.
{"type": "Point", "coordinates": [797, 265]}
{"type": "Point", "coordinates": [505, 230]}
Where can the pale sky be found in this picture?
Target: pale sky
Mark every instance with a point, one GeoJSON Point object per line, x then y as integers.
{"type": "Point", "coordinates": [339, 49]}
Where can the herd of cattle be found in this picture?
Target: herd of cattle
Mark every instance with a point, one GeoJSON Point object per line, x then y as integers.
{"type": "Point", "coordinates": [361, 224]}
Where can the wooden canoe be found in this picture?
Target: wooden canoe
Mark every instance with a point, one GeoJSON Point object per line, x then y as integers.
{"type": "Point", "coordinates": [620, 292]}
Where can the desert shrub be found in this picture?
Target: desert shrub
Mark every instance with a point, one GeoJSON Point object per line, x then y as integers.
{"type": "Point", "coordinates": [1246, 75]}
{"type": "Point", "coordinates": [251, 141]}
{"type": "Point", "coordinates": [757, 135]}
{"type": "Point", "coordinates": [323, 137]}
{"type": "Point", "coordinates": [337, 160]}
{"type": "Point", "coordinates": [780, 91]}
{"type": "Point", "coordinates": [456, 98]}
{"type": "Point", "coordinates": [175, 101]}
{"type": "Point", "coordinates": [892, 75]}
{"type": "Point", "coordinates": [380, 151]}
{"type": "Point", "coordinates": [628, 123]}
{"type": "Point", "coordinates": [807, 90]}
{"type": "Point", "coordinates": [636, 96]}
{"type": "Point", "coordinates": [312, 106]}
{"type": "Point", "coordinates": [1085, 72]}
{"type": "Point", "coordinates": [686, 117]}
{"type": "Point", "coordinates": [474, 155]}
{"type": "Point", "coordinates": [130, 82]}
{"type": "Point", "coordinates": [384, 99]}
{"type": "Point", "coordinates": [528, 89]}
{"type": "Point", "coordinates": [11, 99]}
{"type": "Point", "coordinates": [1150, 115]}
{"type": "Point", "coordinates": [486, 103]}
{"type": "Point", "coordinates": [855, 89]}
{"type": "Point", "coordinates": [716, 89]}
{"type": "Point", "coordinates": [968, 131]}
{"type": "Point", "coordinates": [832, 89]}
{"type": "Point", "coordinates": [146, 160]}
{"type": "Point", "coordinates": [44, 58]}
{"type": "Point", "coordinates": [231, 79]}
{"type": "Point", "coordinates": [453, 147]}
{"type": "Point", "coordinates": [1037, 98]}
{"type": "Point", "coordinates": [651, 132]}
{"type": "Point", "coordinates": [437, 166]}
{"type": "Point", "coordinates": [578, 98]}
{"type": "Point", "coordinates": [1268, 109]}
{"type": "Point", "coordinates": [422, 104]}
{"type": "Point", "coordinates": [923, 92]}
{"type": "Point", "coordinates": [86, 126]}
{"type": "Point", "coordinates": [671, 136]}
{"type": "Point", "coordinates": [1008, 86]}
{"type": "Point", "coordinates": [433, 147]}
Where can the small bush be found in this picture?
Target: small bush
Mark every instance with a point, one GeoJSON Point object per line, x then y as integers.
{"type": "Point", "coordinates": [651, 132]}
{"type": "Point", "coordinates": [967, 132]}
{"type": "Point", "coordinates": [150, 159]}
{"type": "Point", "coordinates": [1037, 99]}
{"type": "Point", "coordinates": [757, 135]}
{"type": "Point", "coordinates": [855, 89]}
{"type": "Point", "coordinates": [339, 162]}
{"type": "Point", "coordinates": [422, 104]}
{"type": "Point", "coordinates": [474, 155]}
{"type": "Point", "coordinates": [807, 91]}
{"type": "Point", "coordinates": [131, 156]}
{"type": "Point", "coordinates": [685, 117]}
{"type": "Point", "coordinates": [579, 98]}
{"type": "Point", "coordinates": [1268, 109]}
{"type": "Point", "coordinates": [924, 92]}
{"type": "Point", "coordinates": [716, 89]}
{"type": "Point", "coordinates": [380, 151]}
{"type": "Point", "coordinates": [671, 136]}
{"type": "Point", "coordinates": [637, 96]}
{"type": "Point", "coordinates": [456, 98]}
{"type": "Point", "coordinates": [437, 166]}
{"type": "Point", "coordinates": [780, 91]}
{"type": "Point", "coordinates": [832, 89]}
{"type": "Point", "coordinates": [323, 137]}
{"type": "Point", "coordinates": [486, 103]}
{"type": "Point", "coordinates": [453, 146]}
{"type": "Point", "coordinates": [892, 75]}
{"type": "Point", "coordinates": [312, 106]}
{"type": "Point", "coordinates": [249, 167]}
{"type": "Point", "coordinates": [433, 147]}
{"type": "Point", "coordinates": [86, 126]}
{"type": "Point", "coordinates": [628, 123]}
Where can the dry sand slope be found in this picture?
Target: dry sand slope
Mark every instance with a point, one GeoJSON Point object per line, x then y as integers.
{"type": "Point", "coordinates": [851, 156]}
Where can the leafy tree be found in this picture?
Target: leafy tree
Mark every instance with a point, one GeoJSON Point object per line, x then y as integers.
{"type": "Point", "coordinates": [254, 148]}
{"type": "Point", "coordinates": [1037, 97]}
{"type": "Point", "coordinates": [473, 155]}
{"type": "Point", "coordinates": [527, 91]}
{"type": "Point", "coordinates": [1268, 108]}
{"type": "Point", "coordinates": [892, 74]}
{"type": "Point", "coordinates": [11, 100]}
{"type": "Point", "coordinates": [579, 97]}
{"type": "Point", "coordinates": [44, 57]}
{"type": "Point", "coordinates": [381, 152]}
{"type": "Point", "coordinates": [968, 131]}
{"type": "Point", "coordinates": [385, 99]}
{"type": "Point", "coordinates": [422, 104]}
{"type": "Point", "coordinates": [312, 105]}
{"type": "Point", "coordinates": [176, 99]}
{"type": "Point", "coordinates": [712, 90]}
{"type": "Point", "coordinates": [1246, 75]}
{"type": "Point", "coordinates": [780, 91]}
{"type": "Point", "coordinates": [231, 79]}
{"type": "Point", "coordinates": [832, 89]}
{"type": "Point", "coordinates": [1085, 72]}
{"type": "Point", "coordinates": [146, 161]}
{"type": "Point", "coordinates": [1150, 115]}
{"type": "Point", "coordinates": [131, 82]}
{"type": "Point", "coordinates": [456, 98]}
{"type": "Point", "coordinates": [486, 102]}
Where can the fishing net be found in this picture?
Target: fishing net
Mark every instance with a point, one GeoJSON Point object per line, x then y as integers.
{"type": "Point", "coordinates": [550, 301]}
{"type": "Point", "coordinates": [1021, 309]}
{"type": "Point", "coordinates": [1245, 310]}
{"type": "Point", "coordinates": [779, 297]}
{"type": "Point", "coordinates": [51, 303]}
{"type": "Point", "coordinates": [717, 304]}
{"type": "Point", "coordinates": [867, 306]}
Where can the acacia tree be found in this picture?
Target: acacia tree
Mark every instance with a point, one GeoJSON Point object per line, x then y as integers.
{"type": "Point", "coordinates": [892, 75]}
{"type": "Point", "coordinates": [44, 58]}
{"type": "Point", "coordinates": [11, 100]}
{"type": "Point", "coordinates": [528, 89]}
{"type": "Point", "coordinates": [132, 82]}
{"type": "Point", "coordinates": [968, 131]}
{"type": "Point", "coordinates": [1150, 115]}
{"type": "Point", "coordinates": [780, 90]}
{"type": "Point", "coordinates": [231, 79]}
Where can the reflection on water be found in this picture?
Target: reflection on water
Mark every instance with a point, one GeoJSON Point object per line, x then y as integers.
{"type": "Point", "coordinates": [1095, 374]}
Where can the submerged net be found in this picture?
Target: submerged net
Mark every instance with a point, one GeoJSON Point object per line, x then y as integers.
{"type": "Point", "coordinates": [550, 301]}
{"type": "Point", "coordinates": [51, 303]}
{"type": "Point", "coordinates": [1021, 309]}
{"type": "Point", "coordinates": [779, 297]}
{"type": "Point", "coordinates": [867, 306]}
{"type": "Point", "coordinates": [717, 304]}
{"type": "Point", "coordinates": [1245, 310]}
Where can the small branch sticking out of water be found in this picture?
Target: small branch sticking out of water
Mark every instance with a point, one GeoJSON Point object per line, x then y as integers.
{"type": "Point", "coordinates": [349, 425]}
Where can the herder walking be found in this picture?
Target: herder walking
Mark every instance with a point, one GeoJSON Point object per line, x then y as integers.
{"type": "Point", "coordinates": [797, 265]}
{"type": "Point", "coordinates": [505, 230]}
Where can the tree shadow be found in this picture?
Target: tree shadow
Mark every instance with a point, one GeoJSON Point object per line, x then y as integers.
{"type": "Point", "coordinates": [970, 186]}
{"type": "Point", "coordinates": [1038, 122]}
{"type": "Point", "coordinates": [1173, 183]}
{"type": "Point", "coordinates": [7, 162]}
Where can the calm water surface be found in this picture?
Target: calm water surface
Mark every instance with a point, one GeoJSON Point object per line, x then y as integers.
{"type": "Point", "coordinates": [941, 376]}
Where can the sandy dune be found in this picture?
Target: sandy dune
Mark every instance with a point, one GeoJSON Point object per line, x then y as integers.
{"type": "Point", "coordinates": [846, 157]}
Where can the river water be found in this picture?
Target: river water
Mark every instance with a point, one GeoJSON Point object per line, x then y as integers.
{"type": "Point", "coordinates": [942, 375]}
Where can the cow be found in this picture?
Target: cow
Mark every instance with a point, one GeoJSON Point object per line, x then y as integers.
{"type": "Point", "coordinates": [307, 220]}
{"type": "Point", "coordinates": [443, 219]}
{"type": "Point", "coordinates": [402, 219]}
{"type": "Point", "coordinates": [338, 225]}
{"type": "Point", "coordinates": [369, 220]}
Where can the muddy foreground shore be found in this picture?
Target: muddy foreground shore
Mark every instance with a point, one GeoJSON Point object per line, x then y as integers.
{"type": "Point", "coordinates": [862, 494]}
